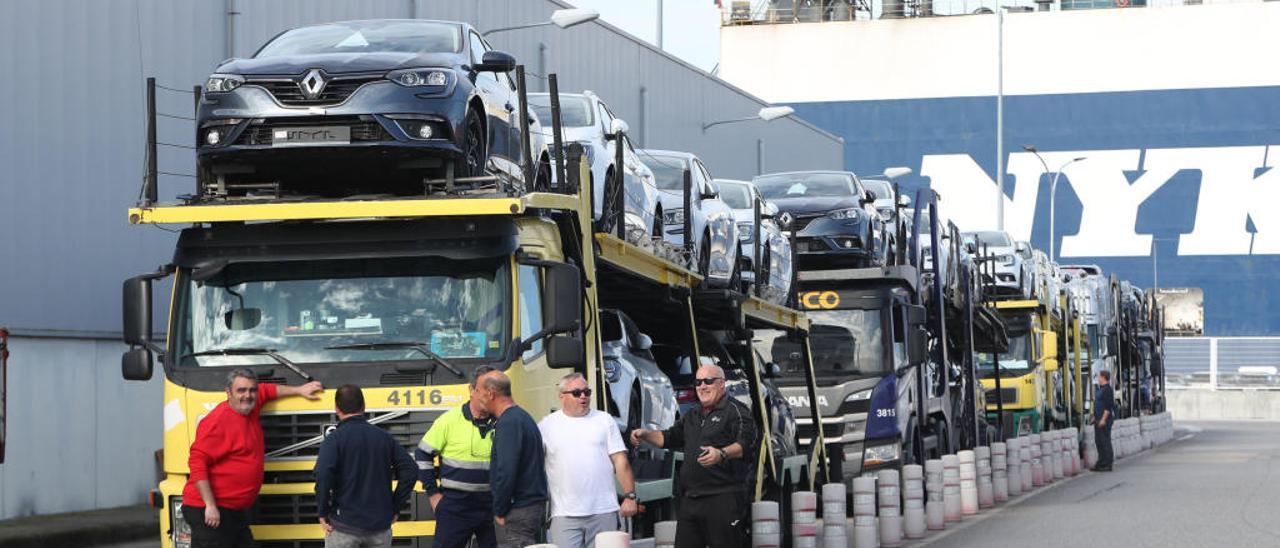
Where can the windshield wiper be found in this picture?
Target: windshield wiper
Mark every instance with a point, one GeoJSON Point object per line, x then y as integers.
{"type": "Point", "coordinates": [268, 352]}
{"type": "Point", "coordinates": [420, 347]}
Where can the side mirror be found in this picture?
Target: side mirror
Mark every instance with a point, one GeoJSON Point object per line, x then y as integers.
{"type": "Point", "coordinates": [917, 345]}
{"type": "Point", "coordinates": [1050, 350]}
{"type": "Point", "coordinates": [772, 370]}
{"type": "Point", "coordinates": [768, 210]}
{"type": "Point", "coordinates": [904, 200]}
{"type": "Point", "coordinates": [916, 315]}
{"type": "Point", "coordinates": [644, 342]}
{"type": "Point", "coordinates": [562, 312]}
{"type": "Point", "coordinates": [868, 197]}
{"type": "Point", "coordinates": [971, 248]}
{"type": "Point", "coordinates": [137, 310]}
{"type": "Point", "coordinates": [496, 61]}
{"type": "Point", "coordinates": [135, 365]}
{"type": "Point", "coordinates": [618, 125]}
{"type": "Point", "coordinates": [564, 352]}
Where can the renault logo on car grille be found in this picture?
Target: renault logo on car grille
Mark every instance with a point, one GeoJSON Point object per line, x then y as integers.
{"type": "Point", "coordinates": [312, 84]}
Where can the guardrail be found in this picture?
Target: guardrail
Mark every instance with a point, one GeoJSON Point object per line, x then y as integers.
{"type": "Point", "coordinates": [1223, 363]}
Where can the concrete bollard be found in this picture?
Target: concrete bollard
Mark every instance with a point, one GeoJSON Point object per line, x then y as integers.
{"type": "Point", "coordinates": [766, 529]}
{"type": "Point", "coordinates": [865, 531]}
{"type": "Point", "coordinates": [1015, 466]}
{"type": "Point", "coordinates": [1025, 464]}
{"type": "Point", "coordinates": [1052, 462]}
{"type": "Point", "coordinates": [999, 472]}
{"type": "Point", "coordinates": [804, 519]}
{"type": "Point", "coordinates": [968, 483]}
{"type": "Point", "coordinates": [934, 509]}
{"type": "Point", "coordinates": [1037, 461]}
{"type": "Point", "coordinates": [889, 497]}
{"type": "Point", "coordinates": [613, 539]}
{"type": "Point", "coordinates": [986, 498]}
{"type": "Point", "coordinates": [834, 531]}
{"type": "Point", "coordinates": [951, 487]}
{"type": "Point", "coordinates": [913, 512]}
{"type": "Point", "coordinates": [664, 532]}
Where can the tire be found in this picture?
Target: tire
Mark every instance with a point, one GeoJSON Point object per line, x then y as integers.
{"type": "Point", "coordinates": [608, 217]}
{"type": "Point", "coordinates": [542, 176]}
{"type": "Point", "coordinates": [735, 276]}
{"type": "Point", "coordinates": [635, 408]}
{"type": "Point", "coordinates": [657, 224]}
{"type": "Point", "coordinates": [704, 256]}
{"type": "Point", "coordinates": [475, 147]}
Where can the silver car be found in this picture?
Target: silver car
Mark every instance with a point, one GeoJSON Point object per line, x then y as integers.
{"type": "Point", "coordinates": [715, 233]}
{"type": "Point", "coordinates": [586, 120]}
{"type": "Point", "coordinates": [640, 393]}
{"type": "Point", "coordinates": [775, 252]}
{"type": "Point", "coordinates": [1012, 261]}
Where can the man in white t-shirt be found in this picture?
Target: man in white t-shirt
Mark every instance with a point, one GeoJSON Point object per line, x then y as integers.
{"type": "Point", "coordinates": [584, 454]}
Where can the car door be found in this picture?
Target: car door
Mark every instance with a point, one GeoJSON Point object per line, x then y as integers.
{"type": "Point", "coordinates": [499, 105]}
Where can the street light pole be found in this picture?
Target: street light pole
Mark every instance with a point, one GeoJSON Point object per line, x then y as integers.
{"type": "Point", "coordinates": [1000, 117]}
{"type": "Point", "coordinates": [1053, 195]}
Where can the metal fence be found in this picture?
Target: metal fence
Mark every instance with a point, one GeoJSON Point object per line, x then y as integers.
{"type": "Point", "coordinates": [1223, 363]}
{"type": "Point", "coordinates": [774, 12]}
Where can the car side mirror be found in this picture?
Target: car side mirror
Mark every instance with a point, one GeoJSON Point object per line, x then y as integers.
{"type": "Point", "coordinates": [904, 200]}
{"type": "Point", "coordinates": [643, 342]}
{"type": "Point", "coordinates": [769, 211]}
{"type": "Point", "coordinates": [868, 197]}
{"type": "Point", "coordinates": [496, 61]}
{"type": "Point", "coordinates": [710, 194]}
{"type": "Point", "coordinates": [971, 248]}
{"type": "Point", "coordinates": [772, 370]}
{"type": "Point", "coordinates": [618, 125]}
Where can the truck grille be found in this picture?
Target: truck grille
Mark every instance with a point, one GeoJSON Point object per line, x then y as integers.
{"type": "Point", "coordinates": [363, 128]}
{"type": "Point", "coordinates": [281, 431]}
{"type": "Point", "coordinates": [806, 431]}
{"type": "Point", "coordinates": [1010, 396]}
{"type": "Point", "coordinates": [288, 92]}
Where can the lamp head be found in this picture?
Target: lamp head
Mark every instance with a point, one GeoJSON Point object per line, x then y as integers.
{"type": "Point", "coordinates": [566, 18]}
{"type": "Point", "coordinates": [769, 114]}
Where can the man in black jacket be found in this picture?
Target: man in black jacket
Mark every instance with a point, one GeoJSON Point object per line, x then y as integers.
{"type": "Point", "coordinates": [1104, 413]}
{"type": "Point", "coordinates": [517, 478]}
{"type": "Point", "coordinates": [353, 478]}
{"type": "Point", "coordinates": [719, 440]}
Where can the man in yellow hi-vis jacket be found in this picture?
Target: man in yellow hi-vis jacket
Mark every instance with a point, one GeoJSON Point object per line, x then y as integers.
{"type": "Point", "coordinates": [458, 488]}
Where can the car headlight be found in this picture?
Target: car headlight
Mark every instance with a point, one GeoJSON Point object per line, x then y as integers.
{"type": "Point", "coordinates": [886, 212]}
{"type": "Point", "coordinates": [881, 454]}
{"type": "Point", "coordinates": [1005, 259]}
{"type": "Point", "coordinates": [858, 396]}
{"type": "Point", "coordinates": [842, 214]}
{"type": "Point", "coordinates": [219, 83]}
{"type": "Point", "coordinates": [746, 231]}
{"type": "Point", "coordinates": [588, 151]}
{"type": "Point", "coordinates": [415, 78]}
{"type": "Point", "coordinates": [179, 530]}
{"type": "Point", "coordinates": [611, 371]}
{"type": "Point", "coordinates": [673, 216]}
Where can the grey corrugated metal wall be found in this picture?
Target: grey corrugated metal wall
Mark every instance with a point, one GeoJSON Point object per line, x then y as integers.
{"type": "Point", "coordinates": [71, 160]}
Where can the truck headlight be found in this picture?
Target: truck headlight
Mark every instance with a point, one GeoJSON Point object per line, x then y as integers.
{"type": "Point", "coordinates": [843, 214]}
{"type": "Point", "coordinates": [179, 530]}
{"type": "Point", "coordinates": [858, 396]}
{"type": "Point", "coordinates": [881, 454]}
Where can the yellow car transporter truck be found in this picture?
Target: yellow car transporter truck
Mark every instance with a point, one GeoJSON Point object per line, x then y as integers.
{"type": "Point", "coordinates": [402, 297]}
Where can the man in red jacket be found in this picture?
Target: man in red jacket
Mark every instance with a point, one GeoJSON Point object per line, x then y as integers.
{"type": "Point", "coordinates": [226, 462]}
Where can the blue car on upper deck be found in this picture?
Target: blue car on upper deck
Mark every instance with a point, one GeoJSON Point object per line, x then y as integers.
{"type": "Point", "coordinates": [836, 222]}
{"type": "Point", "coordinates": [363, 107]}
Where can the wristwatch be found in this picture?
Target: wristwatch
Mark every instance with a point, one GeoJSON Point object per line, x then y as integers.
{"type": "Point", "coordinates": [629, 495]}
{"type": "Point", "coordinates": [723, 455]}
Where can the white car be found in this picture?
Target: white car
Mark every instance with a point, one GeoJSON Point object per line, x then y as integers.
{"type": "Point", "coordinates": [587, 120]}
{"type": "Point", "coordinates": [715, 234]}
{"type": "Point", "coordinates": [1012, 260]}
{"type": "Point", "coordinates": [775, 252]}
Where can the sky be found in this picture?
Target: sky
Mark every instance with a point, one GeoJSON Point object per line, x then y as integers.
{"type": "Point", "coordinates": [691, 27]}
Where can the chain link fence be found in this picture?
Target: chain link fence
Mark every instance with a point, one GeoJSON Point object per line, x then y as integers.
{"type": "Point", "coordinates": [1222, 363]}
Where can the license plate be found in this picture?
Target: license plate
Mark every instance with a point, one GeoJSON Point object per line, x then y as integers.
{"type": "Point", "coordinates": [304, 136]}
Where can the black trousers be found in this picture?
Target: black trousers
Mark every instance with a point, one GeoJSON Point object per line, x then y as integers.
{"type": "Point", "coordinates": [1102, 438]}
{"type": "Point", "coordinates": [717, 521]}
{"type": "Point", "coordinates": [232, 532]}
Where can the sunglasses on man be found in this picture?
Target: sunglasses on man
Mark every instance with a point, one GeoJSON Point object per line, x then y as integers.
{"type": "Point", "coordinates": [578, 392]}
{"type": "Point", "coordinates": [706, 382]}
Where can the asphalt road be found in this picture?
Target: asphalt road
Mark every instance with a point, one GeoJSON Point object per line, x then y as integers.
{"type": "Point", "coordinates": [1216, 485]}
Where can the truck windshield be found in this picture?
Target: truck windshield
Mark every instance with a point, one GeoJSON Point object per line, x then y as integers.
{"type": "Point", "coordinates": [303, 309]}
{"type": "Point", "coordinates": [1016, 361]}
{"type": "Point", "coordinates": [845, 343]}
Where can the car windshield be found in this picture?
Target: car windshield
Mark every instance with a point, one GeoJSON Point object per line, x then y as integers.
{"type": "Point", "coordinates": [303, 309]}
{"type": "Point", "coordinates": [737, 195]}
{"type": "Point", "coordinates": [881, 189]}
{"type": "Point", "coordinates": [993, 238]}
{"type": "Point", "coordinates": [575, 110]}
{"type": "Point", "coordinates": [667, 170]}
{"type": "Point", "coordinates": [805, 185]}
{"type": "Point", "coordinates": [392, 36]}
{"type": "Point", "coordinates": [844, 343]}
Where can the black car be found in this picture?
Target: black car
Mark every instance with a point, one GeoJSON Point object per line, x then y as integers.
{"type": "Point", "coordinates": [834, 217]}
{"type": "Point", "coordinates": [359, 107]}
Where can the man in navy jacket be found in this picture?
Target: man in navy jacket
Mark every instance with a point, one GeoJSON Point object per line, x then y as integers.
{"type": "Point", "coordinates": [357, 463]}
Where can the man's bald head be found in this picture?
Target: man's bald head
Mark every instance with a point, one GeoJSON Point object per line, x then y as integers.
{"type": "Point", "coordinates": [709, 383]}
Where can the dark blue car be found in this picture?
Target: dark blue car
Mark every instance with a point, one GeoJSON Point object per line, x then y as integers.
{"type": "Point", "coordinates": [834, 217]}
{"type": "Point", "coordinates": [358, 107]}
